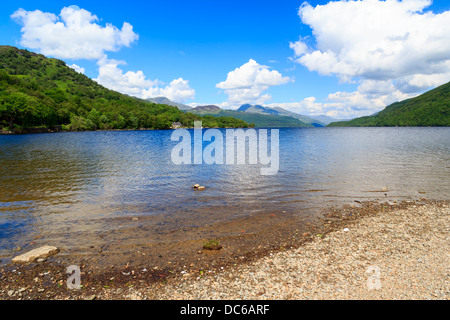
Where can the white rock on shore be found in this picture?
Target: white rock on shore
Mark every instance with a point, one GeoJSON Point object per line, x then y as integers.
{"type": "Point", "coordinates": [30, 256]}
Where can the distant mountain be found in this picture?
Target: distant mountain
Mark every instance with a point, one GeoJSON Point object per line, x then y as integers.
{"type": "Point", "coordinates": [166, 101]}
{"type": "Point", "coordinates": [278, 111]}
{"type": "Point", "coordinates": [259, 119]}
{"type": "Point", "coordinates": [209, 109]}
{"type": "Point", "coordinates": [257, 109]}
{"type": "Point", "coordinates": [429, 109]}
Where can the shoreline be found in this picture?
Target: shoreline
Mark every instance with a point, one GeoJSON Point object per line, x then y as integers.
{"type": "Point", "coordinates": [47, 280]}
{"type": "Point", "coordinates": [44, 131]}
{"type": "Point", "coordinates": [28, 131]}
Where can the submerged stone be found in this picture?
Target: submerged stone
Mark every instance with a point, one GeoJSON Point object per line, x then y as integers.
{"type": "Point", "coordinates": [30, 256]}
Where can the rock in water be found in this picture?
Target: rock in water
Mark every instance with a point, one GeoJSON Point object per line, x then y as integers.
{"type": "Point", "coordinates": [212, 245]}
{"type": "Point", "coordinates": [42, 252]}
{"type": "Point", "coordinates": [201, 188]}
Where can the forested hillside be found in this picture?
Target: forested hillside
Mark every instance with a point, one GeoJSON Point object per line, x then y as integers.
{"type": "Point", "coordinates": [36, 91]}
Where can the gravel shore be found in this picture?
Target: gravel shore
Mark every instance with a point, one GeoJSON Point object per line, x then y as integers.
{"type": "Point", "coordinates": [401, 254]}
{"type": "Point", "coordinates": [385, 251]}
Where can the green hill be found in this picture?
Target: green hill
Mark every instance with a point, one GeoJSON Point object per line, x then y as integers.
{"type": "Point", "coordinates": [429, 109]}
{"type": "Point", "coordinates": [259, 120]}
{"type": "Point", "coordinates": [38, 92]}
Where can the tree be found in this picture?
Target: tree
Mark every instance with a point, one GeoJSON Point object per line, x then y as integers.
{"type": "Point", "coordinates": [17, 107]}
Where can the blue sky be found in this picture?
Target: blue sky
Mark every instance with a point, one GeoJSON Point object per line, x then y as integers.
{"type": "Point", "coordinates": [340, 58]}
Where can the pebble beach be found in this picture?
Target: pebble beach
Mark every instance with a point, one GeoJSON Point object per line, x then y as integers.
{"type": "Point", "coordinates": [395, 253]}
{"type": "Point", "coordinates": [403, 254]}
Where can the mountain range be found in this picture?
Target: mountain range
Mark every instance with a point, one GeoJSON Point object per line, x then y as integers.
{"type": "Point", "coordinates": [431, 108]}
{"type": "Point", "coordinates": [258, 119]}
{"type": "Point", "coordinates": [260, 116]}
{"type": "Point", "coordinates": [278, 111]}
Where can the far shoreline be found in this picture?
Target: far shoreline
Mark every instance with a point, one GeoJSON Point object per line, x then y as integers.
{"type": "Point", "coordinates": [46, 131]}
{"type": "Point", "coordinates": [49, 131]}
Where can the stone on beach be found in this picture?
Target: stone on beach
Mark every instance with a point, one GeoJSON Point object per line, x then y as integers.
{"type": "Point", "coordinates": [30, 256]}
{"type": "Point", "coordinates": [212, 245]}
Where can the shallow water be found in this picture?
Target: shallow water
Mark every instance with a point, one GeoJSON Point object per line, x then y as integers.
{"type": "Point", "coordinates": [68, 187]}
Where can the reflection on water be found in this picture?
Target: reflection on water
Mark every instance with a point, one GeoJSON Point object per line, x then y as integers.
{"type": "Point", "coordinates": [66, 186]}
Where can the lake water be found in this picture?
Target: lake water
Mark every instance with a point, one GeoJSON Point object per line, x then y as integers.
{"type": "Point", "coordinates": [68, 187]}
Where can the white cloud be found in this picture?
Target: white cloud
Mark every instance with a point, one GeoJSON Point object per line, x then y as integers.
{"type": "Point", "coordinates": [393, 49]}
{"type": "Point", "coordinates": [136, 84]}
{"type": "Point", "coordinates": [77, 68]}
{"type": "Point", "coordinates": [300, 48]}
{"type": "Point", "coordinates": [178, 91]}
{"type": "Point", "coordinates": [74, 34]}
{"type": "Point", "coordinates": [131, 83]}
{"type": "Point", "coordinates": [308, 106]}
{"type": "Point", "coordinates": [370, 97]}
{"type": "Point", "coordinates": [249, 82]}
{"type": "Point", "coordinates": [361, 103]}
{"type": "Point", "coordinates": [379, 40]}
